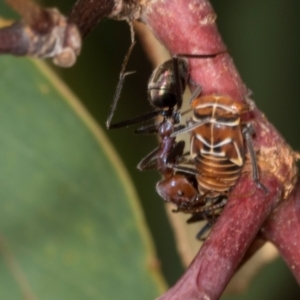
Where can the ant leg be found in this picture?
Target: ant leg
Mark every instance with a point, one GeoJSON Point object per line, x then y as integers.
{"type": "Point", "coordinates": [204, 216]}
{"type": "Point", "coordinates": [182, 169]}
{"type": "Point", "coordinates": [186, 112]}
{"type": "Point", "coordinates": [213, 207]}
{"type": "Point", "coordinates": [123, 74]}
{"type": "Point", "coordinates": [178, 81]}
{"type": "Point", "coordinates": [192, 206]}
{"type": "Point", "coordinates": [139, 119]}
{"type": "Point", "coordinates": [203, 230]}
{"type": "Point", "coordinates": [148, 129]}
{"type": "Point", "coordinates": [153, 128]}
{"type": "Point", "coordinates": [149, 161]}
{"type": "Point", "coordinates": [199, 204]}
{"type": "Point", "coordinates": [176, 152]}
{"type": "Point", "coordinates": [190, 127]}
{"type": "Point", "coordinates": [177, 75]}
{"type": "Point", "coordinates": [197, 218]}
{"type": "Point", "coordinates": [209, 208]}
{"type": "Point", "coordinates": [201, 56]}
{"type": "Point", "coordinates": [197, 91]}
{"type": "Point", "coordinates": [248, 131]}
{"type": "Point", "coordinates": [211, 220]}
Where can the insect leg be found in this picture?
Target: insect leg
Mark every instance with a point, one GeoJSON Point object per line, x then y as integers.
{"type": "Point", "coordinates": [201, 56]}
{"type": "Point", "coordinates": [204, 216]}
{"type": "Point", "coordinates": [123, 74]}
{"type": "Point", "coordinates": [176, 152]}
{"type": "Point", "coordinates": [210, 217]}
{"type": "Point", "coordinates": [197, 91]}
{"type": "Point", "coordinates": [209, 208]}
{"type": "Point", "coordinates": [139, 119]}
{"type": "Point", "coordinates": [177, 75]}
{"type": "Point", "coordinates": [203, 230]}
{"type": "Point", "coordinates": [149, 161]}
{"type": "Point", "coordinates": [183, 169]}
{"type": "Point", "coordinates": [147, 129]}
{"type": "Point", "coordinates": [190, 127]}
{"type": "Point", "coordinates": [198, 217]}
{"type": "Point", "coordinates": [248, 131]}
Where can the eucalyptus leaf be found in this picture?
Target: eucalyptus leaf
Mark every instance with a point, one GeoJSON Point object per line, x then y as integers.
{"type": "Point", "coordinates": [70, 223]}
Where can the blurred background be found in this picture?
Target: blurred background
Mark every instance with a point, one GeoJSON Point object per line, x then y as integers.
{"type": "Point", "coordinates": [263, 39]}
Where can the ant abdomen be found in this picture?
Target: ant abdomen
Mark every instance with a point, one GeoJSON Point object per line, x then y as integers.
{"type": "Point", "coordinates": [162, 85]}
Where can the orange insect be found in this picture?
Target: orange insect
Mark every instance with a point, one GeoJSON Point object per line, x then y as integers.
{"type": "Point", "coordinates": [218, 144]}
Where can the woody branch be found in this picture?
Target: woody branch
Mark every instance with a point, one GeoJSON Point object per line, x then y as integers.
{"type": "Point", "coordinates": [46, 33]}
{"type": "Point", "coordinates": [189, 27]}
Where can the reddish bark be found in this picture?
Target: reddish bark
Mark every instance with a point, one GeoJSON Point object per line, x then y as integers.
{"type": "Point", "coordinates": [43, 33]}
{"type": "Point", "coordinates": [189, 27]}
{"type": "Point", "coordinates": [283, 229]}
{"type": "Point", "coordinates": [87, 14]}
{"type": "Point", "coordinates": [212, 268]}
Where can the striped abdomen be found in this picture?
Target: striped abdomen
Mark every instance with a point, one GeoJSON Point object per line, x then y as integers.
{"type": "Point", "coordinates": [217, 146]}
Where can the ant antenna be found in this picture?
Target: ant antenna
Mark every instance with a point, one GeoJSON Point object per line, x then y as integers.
{"type": "Point", "coordinates": [123, 74]}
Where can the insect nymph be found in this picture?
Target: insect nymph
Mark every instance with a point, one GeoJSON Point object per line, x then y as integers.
{"type": "Point", "coordinates": [218, 144]}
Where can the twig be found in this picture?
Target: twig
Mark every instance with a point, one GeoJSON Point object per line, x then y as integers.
{"type": "Point", "coordinates": [189, 27]}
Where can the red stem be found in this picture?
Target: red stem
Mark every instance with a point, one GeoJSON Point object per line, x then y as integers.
{"type": "Point", "coordinates": [231, 236]}
{"type": "Point", "coordinates": [283, 229]}
{"type": "Point", "coordinates": [13, 40]}
{"type": "Point", "coordinates": [188, 26]}
{"type": "Point", "coordinates": [87, 14]}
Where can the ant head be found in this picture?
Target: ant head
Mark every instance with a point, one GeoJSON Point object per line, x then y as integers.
{"type": "Point", "coordinates": [177, 189]}
{"type": "Point", "coordinates": [165, 83]}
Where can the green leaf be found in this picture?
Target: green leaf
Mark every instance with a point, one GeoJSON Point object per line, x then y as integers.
{"type": "Point", "coordinates": [70, 223]}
